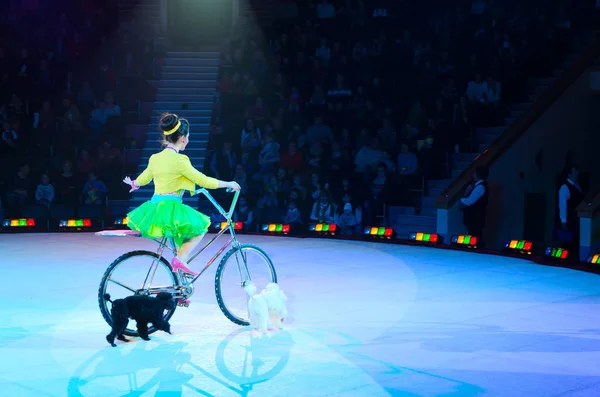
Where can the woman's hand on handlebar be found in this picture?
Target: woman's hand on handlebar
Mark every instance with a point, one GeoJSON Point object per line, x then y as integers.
{"type": "Point", "coordinates": [233, 186]}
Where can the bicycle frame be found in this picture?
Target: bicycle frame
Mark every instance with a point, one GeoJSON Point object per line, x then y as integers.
{"type": "Point", "coordinates": [170, 244]}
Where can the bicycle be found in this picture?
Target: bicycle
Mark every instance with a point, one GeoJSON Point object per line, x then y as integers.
{"type": "Point", "coordinates": [181, 285]}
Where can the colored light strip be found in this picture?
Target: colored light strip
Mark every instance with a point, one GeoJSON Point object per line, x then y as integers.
{"type": "Point", "coordinates": [520, 245]}
{"type": "Point", "coordinates": [28, 222]}
{"type": "Point", "coordinates": [322, 227]}
{"type": "Point", "coordinates": [223, 225]}
{"type": "Point", "coordinates": [594, 259]}
{"type": "Point", "coordinates": [275, 228]}
{"type": "Point", "coordinates": [558, 253]}
{"type": "Point", "coordinates": [75, 223]}
{"type": "Point", "coordinates": [378, 231]}
{"type": "Point", "coordinates": [424, 237]}
{"type": "Point", "coordinates": [470, 241]}
{"type": "Point", "coordinates": [121, 221]}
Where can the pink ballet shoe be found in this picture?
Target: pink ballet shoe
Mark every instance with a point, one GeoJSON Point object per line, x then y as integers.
{"type": "Point", "coordinates": [183, 302]}
{"type": "Point", "coordinates": [176, 264]}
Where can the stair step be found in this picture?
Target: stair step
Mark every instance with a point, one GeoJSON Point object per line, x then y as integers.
{"type": "Point", "coordinates": [438, 184]}
{"type": "Point", "coordinates": [204, 107]}
{"type": "Point", "coordinates": [192, 62]}
{"type": "Point", "coordinates": [185, 91]}
{"type": "Point", "coordinates": [193, 55]}
{"type": "Point", "coordinates": [194, 120]}
{"type": "Point", "coordinates": [428, 202]}
{"type": "Point", "coordinates": [184, 113]}
{"type": "Point", "coordinates": [435, 192]}
{"type": "Point", "coordinates": [190, 69]}
{"type": "Point", "coordinates": [165, 97]}
{"type": "Point", "coordinates": [182, 83]}
{"type": "Point", "coordinates": [463, 165]}
{"type": "Point", "coordinates": [202, 76]}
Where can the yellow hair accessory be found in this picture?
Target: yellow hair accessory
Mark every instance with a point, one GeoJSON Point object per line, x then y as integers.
{"type": "Point", "coordinates": [173, 129]}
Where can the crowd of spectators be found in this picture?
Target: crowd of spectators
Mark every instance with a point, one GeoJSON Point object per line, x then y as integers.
{"type": "Point", "coordinates": [70, 81]}
{"type": "Point", "coordinates": [355, 104]}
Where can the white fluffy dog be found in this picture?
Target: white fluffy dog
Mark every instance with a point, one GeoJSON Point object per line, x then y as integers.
{"type": "Point", "coordinates": [270, 303]}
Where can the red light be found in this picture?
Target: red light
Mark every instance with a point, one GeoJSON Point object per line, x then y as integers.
{"type": "Point", "coordinates": [30, 222]}
{"type": "Point", "coordinates": [389, 231]}
{"type": "Point", "coordinates": [87, 223]}
{"type": "Point", "coordinates": [473, 240]}
{"type": "Point", "coordinates": [285, 228]}
{"type": "Point", "coordinates": [527, 246]}
{"type": "Point", "coordinates": [433, 238]}
{"type": "Point", "coordinates": [238, 226]}
{"type": "Point", "coordinates": [564, 254]}
{"type": "Point", "coordinates": [332, 227]}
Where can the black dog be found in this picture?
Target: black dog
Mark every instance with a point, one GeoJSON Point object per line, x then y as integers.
{"type": "Point", "coordinates": [141, 308]}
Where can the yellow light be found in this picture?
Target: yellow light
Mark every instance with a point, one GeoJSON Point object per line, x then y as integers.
{"type": "Point", "coordinates": [513, 244]}
{"type": "Point", "coordinates": [71, 223]}
{"type": "Point", "coordinates": [125, 221]}
{"type": "Point", "coordinates": [461, 239]}
{"type": "Point", "coordinates": [419, 237]}
{"type": "Point", "coordinates": [272, 228]}
{"type": "Point", "coordinates": [223, 225]}
{"type": "Point", "coordinates": [319, 227]}
{"type": "Point", "coordinates": [14, 222]}
{"type": "Point", "coordinates": [595, 259]}
{"type": "Point", "coordinates": [374, 231]}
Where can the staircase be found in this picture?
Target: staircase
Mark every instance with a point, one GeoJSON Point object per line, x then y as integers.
{"type": "Point", "coordinates": [187, 87]}
{"type": "Point", "coordinates": [406, 219]}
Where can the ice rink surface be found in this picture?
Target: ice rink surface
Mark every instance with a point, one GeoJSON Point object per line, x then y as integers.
{"type": "Point", "coordinates": [367, 319]}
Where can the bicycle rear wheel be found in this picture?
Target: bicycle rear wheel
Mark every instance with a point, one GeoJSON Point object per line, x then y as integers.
{"type": "Point", "coordinates": [239, 266]}
{"type": "Point", "coordinates": [136, 273]}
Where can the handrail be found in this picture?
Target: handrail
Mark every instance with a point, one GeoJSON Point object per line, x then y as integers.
{"type": "Point", "coordinates": [453, 192]}
{"type": "Point", "coordinates": [589, 206]}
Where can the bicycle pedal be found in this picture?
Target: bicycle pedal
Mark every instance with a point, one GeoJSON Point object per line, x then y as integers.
{"type": "Point", "coordinates": [183, 303]}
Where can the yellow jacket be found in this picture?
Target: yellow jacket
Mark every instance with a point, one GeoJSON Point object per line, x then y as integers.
{"type": "Point", "coordinates": [172, 172]}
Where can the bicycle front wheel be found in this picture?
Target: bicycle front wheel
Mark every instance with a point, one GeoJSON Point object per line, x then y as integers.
{"type": "Point", "coordinates": [136, 273]}
{"type": "Point", "coordinates": [239, 266]}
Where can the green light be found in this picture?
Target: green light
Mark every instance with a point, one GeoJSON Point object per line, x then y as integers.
{"type": "Point", "coordinates": [279, 228]}
{"type": "Point", "coordinates": [558, 253]}
{"type": "Point", "coordinates": [426, 237]}
{"type": "Point", "coordinates": [79, 222]}
{"type": "Point", "coordinates": [520, 245]}
{"type": "Point", "coordinates": [381, 231]}
{"type": "Point", "coordinates": [325, 228]}
{"type": "Point", "coordinates": [22, 222]}
{"type": "Point", "coordinates": [467, 240]}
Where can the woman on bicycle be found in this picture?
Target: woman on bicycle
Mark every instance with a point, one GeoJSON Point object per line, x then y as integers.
{"type": "Point", "coordinates": [165, 215]}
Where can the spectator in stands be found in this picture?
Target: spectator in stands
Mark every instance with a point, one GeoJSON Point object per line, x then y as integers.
{"type": "Point", "coordinates": [292, 159]}
{"type": "Point", "coordinates": [293, 216]}
{"type": "Point", "coordinates": [44, 194]}
{"type": "Point", "coordinates": [379, 193]}
{"type": "Point", "coordinates": [94, 190]}
{"type": "Point", "coordinates": [20, 190]}
{"type": "Point", "coordinates": [223, 162]}
{"type": "Point", "coordinates": [325, 10]}
{"type": "Point", "coordinates": [98, 118]}
{"type": "Point", "coordinates": [66, 184]}
{"type": "Point", "coordinates": [408, 163]}
{"type": "Point", "coordinates": [85, 163]}
{"type": "Point", "coordinates": [71, 119]}
{"type": "Point", "coordinates": [268, 199]}
{"type": "Point", "coordinates": [268, 157]}
{"type": "Point", "coordinates": [474, 204]}
{"type": "Point", "coordinates": [244, 214]}
{"type": "Point", "coordinates": [251, 137]}
{"type": "Point", "coordinates": [346, 221]}
{"type": "Point", "coordinates": [9, 138]}
{"type": "Point", "coordinates": [258, 111]}
{"type": "Point", "coordinates": [323, 210]}
{"type": "Point", "coordinates": [319, 132]}
{"type": "Point", "coordinates": [112, 109]}
{"type": "Point", "coordinates": [368, 157]}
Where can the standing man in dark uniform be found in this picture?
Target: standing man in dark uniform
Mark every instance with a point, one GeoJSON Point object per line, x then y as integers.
{"type": "Point", "coordinates": [475, 204]}
{"type": "Point", "coordinates": [570, 196]}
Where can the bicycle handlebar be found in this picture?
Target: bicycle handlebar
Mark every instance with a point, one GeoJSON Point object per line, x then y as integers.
{"type": "Point", "coordinates": [226, 214]}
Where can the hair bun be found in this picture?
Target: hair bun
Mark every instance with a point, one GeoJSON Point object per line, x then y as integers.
{"type": "Point", "coordinates": [168, 121]}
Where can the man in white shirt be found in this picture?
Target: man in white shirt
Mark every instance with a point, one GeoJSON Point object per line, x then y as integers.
{"type": "Point", "coordinates": [474, 204]}
{"type": "Point", "coordinates": [476, 90]}
{"type": "Point", "coordinates": [570, 195]}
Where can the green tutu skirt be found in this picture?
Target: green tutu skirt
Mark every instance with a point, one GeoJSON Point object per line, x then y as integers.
{"type": "Point", "coordinates": [168, 217]}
